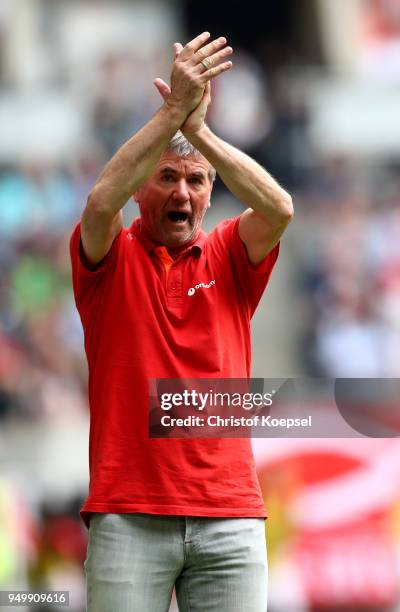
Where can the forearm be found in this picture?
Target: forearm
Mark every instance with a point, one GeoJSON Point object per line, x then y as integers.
{"type": "Point", "coordinates": [243, 176]}
{"type": "Point", "coordinates": [136, 160]}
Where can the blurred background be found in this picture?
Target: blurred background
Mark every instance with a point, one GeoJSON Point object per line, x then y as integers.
{"type": "Point", "coordinates": [314, 96]}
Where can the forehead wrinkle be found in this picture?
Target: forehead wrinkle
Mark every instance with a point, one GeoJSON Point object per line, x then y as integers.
{"type": "Point", "coordinates": [175, 162]}
{"type": "Point", "coordinates": [195, 173]}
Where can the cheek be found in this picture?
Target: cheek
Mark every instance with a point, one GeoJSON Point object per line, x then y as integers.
{"type": "Point", "coordinates": [201, 207]}
{"type": "Point", "coordinates": [150, 209]}
{"type": "Point", "coordinates": [200, 201]}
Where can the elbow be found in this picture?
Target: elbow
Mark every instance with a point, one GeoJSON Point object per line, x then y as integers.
{"type": "Point", "coordinates": [286, 209]}
{"type": "Point", "coordinates": [97, 203]}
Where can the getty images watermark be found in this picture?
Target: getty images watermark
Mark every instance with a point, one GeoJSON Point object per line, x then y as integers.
{"type": "Point", "coordinates": [204, 401]}
{"type": "Point", "coordinates": [274, 408]}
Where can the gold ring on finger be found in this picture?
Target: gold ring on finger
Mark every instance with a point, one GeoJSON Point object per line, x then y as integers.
{"type": "Point", "coordinates": [205, 64]}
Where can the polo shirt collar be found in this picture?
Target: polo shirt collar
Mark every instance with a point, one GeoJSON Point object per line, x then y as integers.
{"type": "Point", "coordinates": [195, 246]}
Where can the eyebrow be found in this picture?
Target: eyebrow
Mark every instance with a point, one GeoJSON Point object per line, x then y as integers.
{"type": "Point", "coordinates": [169, 170]}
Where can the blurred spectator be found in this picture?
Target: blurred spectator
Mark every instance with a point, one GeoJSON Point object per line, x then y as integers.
{"type": "Point", "coordinates": [350, 272]}
{"type": "Point", "coordinates": [60, 553]}
{"type": "Point", "coordinates": [122, 98]}
{"type": "Point", "coordinates": [240, 111]}
{"type": "Point", "coordinates": [37, 196]}
{"type": "Point", "coordinates": [380, 39]}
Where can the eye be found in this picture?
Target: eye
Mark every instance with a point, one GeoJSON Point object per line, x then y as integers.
{"type": "Point", "coordinates": [196, 180]}
{"type": "Point", "coordinates": [168, 178]}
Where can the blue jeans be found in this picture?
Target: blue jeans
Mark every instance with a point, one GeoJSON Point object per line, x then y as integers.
{"type": "Point", "coordinates": [215, 564]}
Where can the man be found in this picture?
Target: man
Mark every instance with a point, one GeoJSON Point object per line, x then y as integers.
{"type": "Point", "coordinates": [173, 512]}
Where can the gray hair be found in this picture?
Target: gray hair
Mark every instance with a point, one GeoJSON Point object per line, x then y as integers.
{"type": "Point", "coordinates": [183, 148]}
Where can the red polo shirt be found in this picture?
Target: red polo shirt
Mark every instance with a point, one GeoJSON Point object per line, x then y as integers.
{"type": "Point", "coordinates": [141, 322]}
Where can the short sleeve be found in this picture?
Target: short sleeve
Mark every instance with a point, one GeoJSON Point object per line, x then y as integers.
{"type": "Point", "coordinates": [85, 279]}
{"type": "Point", "coordinates": [252, 280]}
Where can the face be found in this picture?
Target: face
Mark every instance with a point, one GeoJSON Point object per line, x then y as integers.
{"type": "Point", "coordinates": [174, 200]}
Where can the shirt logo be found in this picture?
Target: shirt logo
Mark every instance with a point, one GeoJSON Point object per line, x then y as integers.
{"type": "Point", "coordinates": [193, 290]}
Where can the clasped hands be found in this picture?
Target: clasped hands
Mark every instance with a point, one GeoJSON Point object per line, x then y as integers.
{"type": "Point", "coordinates": [195, 65]}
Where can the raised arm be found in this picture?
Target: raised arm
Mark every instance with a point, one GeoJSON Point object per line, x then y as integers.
{"type": "Point", "coordinates": [136, 160]}
{"type": "Point", "coordinates": [270, 206]}
{"type": "Point", "coordinates": [121, 177]}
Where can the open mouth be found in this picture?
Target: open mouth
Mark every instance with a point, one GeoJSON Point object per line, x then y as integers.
{"type": "Point", "coordinates": [177, 217]}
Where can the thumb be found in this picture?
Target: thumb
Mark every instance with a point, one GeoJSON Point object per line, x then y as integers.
{"type": "Point", "coordinates": [162, 87]}
{"type": "Point", "coordinates": [206, 99]}
{"type": "Point", "coordinates": [177, 49]}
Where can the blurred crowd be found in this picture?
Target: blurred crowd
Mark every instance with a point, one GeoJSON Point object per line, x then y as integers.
{"type": "Point", "coordinates": [349, 276]}
{"type": "Point", "coordinates": [40, 202]}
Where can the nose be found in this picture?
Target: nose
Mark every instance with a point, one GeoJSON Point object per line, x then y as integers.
{"type": "Point", "coordinates": [181, 192]}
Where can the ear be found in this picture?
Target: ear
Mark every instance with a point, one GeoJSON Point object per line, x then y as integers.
{"type": "Point", "coordinates": [211, 188]}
